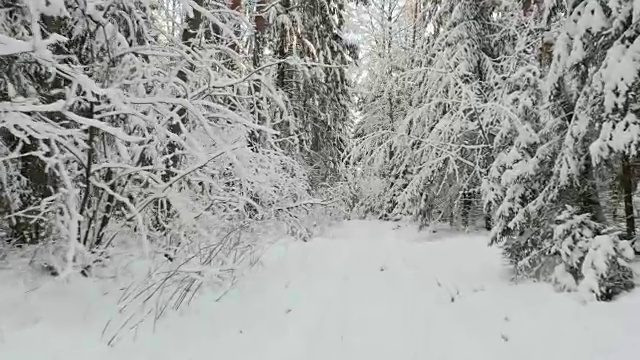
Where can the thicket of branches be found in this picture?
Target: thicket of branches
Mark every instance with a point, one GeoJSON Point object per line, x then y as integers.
{"type": "Point", "coordinates": [185, 131]}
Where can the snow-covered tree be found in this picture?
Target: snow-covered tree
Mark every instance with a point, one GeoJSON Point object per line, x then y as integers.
{"type": "Point", "coordinates": [382, 104]}
{"type": "Point", "coordinates": [307, 38]}
{"type": "Point", "coordinates": [585, 127]}
{"type": "Point", "coordinates": [438, 151]}
{"type": "Point", "coordinates": [514, 176]}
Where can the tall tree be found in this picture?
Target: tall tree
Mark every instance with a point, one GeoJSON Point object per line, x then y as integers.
{"type": "Point", "coordinates": [383, 102]}
{"type": "Point", "coordinates": [308, 40]}
{"type": "Point", "coordinates": [558, 227]}
{"type": "Point", "coordinates": [441, 145]}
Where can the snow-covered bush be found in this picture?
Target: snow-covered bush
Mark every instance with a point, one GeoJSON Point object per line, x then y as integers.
{"type": "Point", "coordinates": [592, 259]}
{"type": "Point", "coordinates": [605, 268]}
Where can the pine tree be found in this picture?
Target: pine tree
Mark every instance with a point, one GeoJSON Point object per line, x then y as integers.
{"type": "Point", "coordinates": [444, 138]}
{"type": "Point", "coordinates": [513, 178]}
{"type": "Point", "coordinates": [309, 42]}
{"type": "Point", "coordinates": [560, 163]}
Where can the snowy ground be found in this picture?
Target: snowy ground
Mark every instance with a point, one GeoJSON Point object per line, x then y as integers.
{"type": "Point", "coordinates": [367, 290]}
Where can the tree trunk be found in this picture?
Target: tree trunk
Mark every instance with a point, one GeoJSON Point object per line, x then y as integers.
{"type": "Point", "coordinates": [175, 126]}
{"type": "Point", "coordinates": [260, 26]}
{"type": "Point", "coordinates": [589, 193]}
{"type": "Point", "coordinates": [627, 187]}
{"type": "Point", "coordinates": [416, 16]}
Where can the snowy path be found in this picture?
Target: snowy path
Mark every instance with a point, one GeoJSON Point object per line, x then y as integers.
{"type": "Point", "coordinates": [367, 291]}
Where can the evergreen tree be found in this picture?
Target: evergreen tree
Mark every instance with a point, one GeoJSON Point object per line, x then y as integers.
{"type": "Point", "coordinates": [438, 150]}
{"type": "Point", "coordinates": [382, 105]}
{"type": "Point", "coordinates": [308, 40]}
{"type": "Point", "coordinates": [560, 163]}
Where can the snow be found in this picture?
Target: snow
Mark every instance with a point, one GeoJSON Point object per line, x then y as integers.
{"type": "Point", "coordinates": [365, 290]}
{"type": "Point", "coordinates": [11, 46]}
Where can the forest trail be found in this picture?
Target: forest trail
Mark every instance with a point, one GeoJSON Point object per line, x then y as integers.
{"type": "Point", "coordinates": [366, 290]}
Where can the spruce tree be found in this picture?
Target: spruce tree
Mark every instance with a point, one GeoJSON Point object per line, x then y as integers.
{"type": "Point", "coordinates": [585, 125]}
{"type": "Point", "coordinates": [444, 138]}
{"type": "Point", "coordinates": [307, 37]}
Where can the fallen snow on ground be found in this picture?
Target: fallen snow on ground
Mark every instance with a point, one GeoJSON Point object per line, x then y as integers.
{"type": "Point", "coordinates": [367, 290]}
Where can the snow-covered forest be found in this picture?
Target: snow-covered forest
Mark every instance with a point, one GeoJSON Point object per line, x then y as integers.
{"type": "Point", "coordinates": [160, 148]}
{"type": "Point", "coordinates": [520, 115]}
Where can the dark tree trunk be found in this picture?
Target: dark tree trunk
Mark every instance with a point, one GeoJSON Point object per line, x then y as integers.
{"type": "Point", "coordinates": [627, 188]}
{"type": "Point", "coordinates": [465, 212]}
{"type": "Point", "coordinates": [260, 26]}
{"type": "Point", "coordinates": [175, 126]}
{"type": "Point", "coordinates": [416, 17]}
{"type": "Point", "coordinates": [589, 193]}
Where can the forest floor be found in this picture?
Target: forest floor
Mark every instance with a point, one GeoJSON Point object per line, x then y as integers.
{"type": "Point", "coordinates": [365, 290]}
